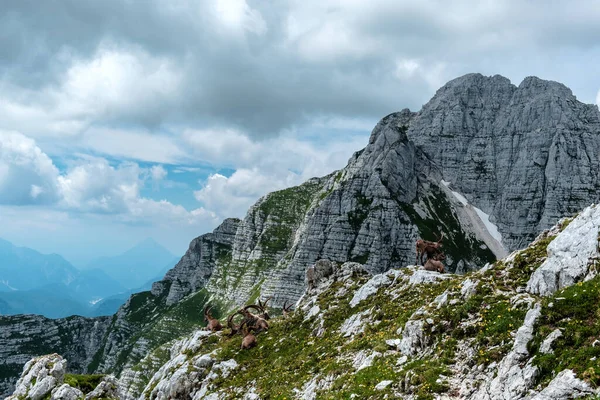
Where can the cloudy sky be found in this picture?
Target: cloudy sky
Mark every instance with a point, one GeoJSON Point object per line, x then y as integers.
{"type": "Point", "coordinates": [121, 120]}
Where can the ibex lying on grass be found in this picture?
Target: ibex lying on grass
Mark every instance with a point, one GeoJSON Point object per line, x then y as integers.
{"type": "Point", "coordinates": [255, 321]}
{"type": "Point", "coordinates": [428, 248]}
{"type": "Point", "coordinates": [213, 324]}
{"type": "Point", "coordinates": [435, 263]}
{"type": "Point", "coordinates": [263, 306]}
{"type": "Point", "coordinates": [249, 339]}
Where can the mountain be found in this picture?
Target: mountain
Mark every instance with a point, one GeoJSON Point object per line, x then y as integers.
{"type": "Point", "coordinates": [22, 268]}
{"type": "Point", "coordinates": [521, 328]}
{"type": "Point", "coordinates": [93, 285]}
{"type": "Point", "coordinates": [136, 266]}
{"type": "Point", "coordinates": [526, 155]}
{"type": "Point", "coordinates": [110, 305]}
{"type": "Point", "coordinates": [35, 283]}
{"type": "Point", "coordinates": [399, 188]}
{"type": "Point", "coordinates": [53, 301]}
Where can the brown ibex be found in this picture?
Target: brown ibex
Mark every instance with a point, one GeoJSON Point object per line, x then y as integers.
{"type": "Point", "coordinates": [286, 310]}
{"type": "Point", "coordinates": [428, 248]}
{"type": "Point", "coordinates": [255, 321]}
{"type": "Point", "coordinates": [249, 339]}
{"type": "Point", "coordinates": [263, 306]}
{"type": "Point", "coordinates": [235, 328]}
{"type": "Point", "coordinates": [435, 263]}
{"type": "Point", "coordinates": [213, 324]}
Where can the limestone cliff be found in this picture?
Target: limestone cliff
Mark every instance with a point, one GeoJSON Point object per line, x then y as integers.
{"type": "Point", "coordinates": [527, 155]}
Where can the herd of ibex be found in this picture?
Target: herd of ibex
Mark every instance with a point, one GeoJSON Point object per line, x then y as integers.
{"type": "Point", "coordinates": [435, 256]}
{"type": "Point", "coordinates": [250, 323]}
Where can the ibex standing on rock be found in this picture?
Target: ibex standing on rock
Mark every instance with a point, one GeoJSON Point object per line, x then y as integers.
{"type": "Point", "coordinates": [435, 263]}
{"type": "Point", "coordinates": [213, 324]}
{"type": "Point", "coordinates": [428, 248]}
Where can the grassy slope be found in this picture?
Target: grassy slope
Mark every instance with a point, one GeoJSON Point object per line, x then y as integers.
{"type": "Point", "coordinates": [289, 355]}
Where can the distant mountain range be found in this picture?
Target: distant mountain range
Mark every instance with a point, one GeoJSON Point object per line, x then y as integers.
{"type": "Point", "coordinates": [137, 265]}
{"type": "Point", "coordinates": [47, 284]}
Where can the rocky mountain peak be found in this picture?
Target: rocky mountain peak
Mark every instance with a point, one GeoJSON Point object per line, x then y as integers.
{"type": "Point", "coordinates": [532, 86]}
{"type": "Point", "coordinates": [522, 154]}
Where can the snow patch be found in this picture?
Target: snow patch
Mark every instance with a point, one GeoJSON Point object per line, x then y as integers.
{"type": "Point", "coordinates": [460, 198]}
{"type": "Point", "coordinates": [490, 226]}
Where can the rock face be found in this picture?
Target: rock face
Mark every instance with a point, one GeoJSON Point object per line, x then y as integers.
{"type": "Point", "coordinates": [526, 155]}
{"type": "Point", "coordinates": [195, 268]}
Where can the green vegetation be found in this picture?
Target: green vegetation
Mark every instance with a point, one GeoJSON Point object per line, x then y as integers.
{"type": "Point", "coordinates": [85, 383]}
{"type": "Point", "coordinates": [290, 353]}
{"type": "Point", "coordinates": [575, 311]}
{"type": "Point", "coordinates": [363, 207]}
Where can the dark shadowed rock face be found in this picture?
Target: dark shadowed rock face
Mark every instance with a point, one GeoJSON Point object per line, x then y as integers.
{"type": "Point", "coordinates": [526, 155]}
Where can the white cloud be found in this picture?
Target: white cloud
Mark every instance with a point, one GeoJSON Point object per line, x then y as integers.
{"type": "Point", "coordinates": [237, 15]}
{"type": "Point", "coordinates": [262, 167]}
{"type": "Point", "coordinates": [406, 68]}
{"type": "Point", "coordinates": [90, 185]}
{"type": "Point", "coordinates": [27, 175]}
{"type": "Point", "coordinates": [117, 81]}
{"type": "Point", "coordinates": [231, 197]}
{"type": "Point", "coordinates": [113, 84]}
{"type": "Point", "coordinates": [158, 173]}
{"type": "Point", "coordinates": [221, 146]}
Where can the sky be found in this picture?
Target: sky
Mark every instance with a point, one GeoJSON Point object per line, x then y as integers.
{"type": "Point", "coordinates": [122, 120]}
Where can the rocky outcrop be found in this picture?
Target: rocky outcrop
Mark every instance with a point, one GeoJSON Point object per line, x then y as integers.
{"type": "Point", "coordinates": [571, 256]}
{"type": "Point", "coordinates": [40, 376]}
{"type": "Point", "coordinates": [525, 155]}
{"type": "Point", "coordinates": [43, 378]}
{"type": "Point", "coordinates": [565, 386]}
{"type": "Point", "coordinates": [514, 379]}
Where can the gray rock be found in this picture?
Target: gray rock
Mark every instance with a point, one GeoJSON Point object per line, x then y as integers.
{"type": "Point", "coordinates": [23, 337]}
{"type": "Point", "coordinates": [513, 379]}
{"type": "Point", "coordinates": [355, 324]}
{"type": "Point", "coordinates": [569, 254]}
{"type": "Point", "coordinates": [40, 376]}
{"type": "Point", "coordinates": [565, 386]}
{"type": "Point", "coordinates": [66, 392]}
{"type": "Point", "coordinates": [546, 346]}
{"type": "Point", "coordinates": [413, 338]}
{"type": "Point", "coordinates": [364, 359]}
{"type": "Point", "coordinates": [108, 388]}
